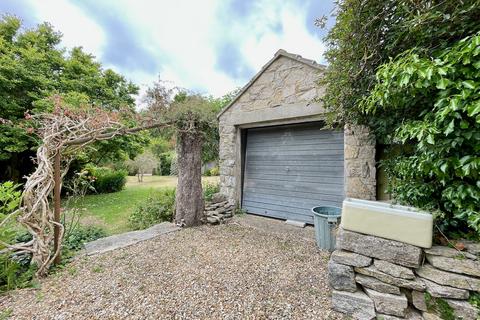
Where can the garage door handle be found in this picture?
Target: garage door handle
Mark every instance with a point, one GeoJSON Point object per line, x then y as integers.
{"type": "Point", "coordinates": [288, 169]}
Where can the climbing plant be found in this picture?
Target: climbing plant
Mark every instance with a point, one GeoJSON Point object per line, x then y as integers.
{"type": "Point", "coordinates": [369, 33]}
{"type": "Point", "coordinates": [441, 95]}
{"type": "Point", "coordinates": [408, 70]}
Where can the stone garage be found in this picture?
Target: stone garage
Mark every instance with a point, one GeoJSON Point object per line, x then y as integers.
{"type": "Point", "coordinates": [277, 158]}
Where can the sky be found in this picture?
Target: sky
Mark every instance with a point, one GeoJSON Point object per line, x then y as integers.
{"type": "Point", "coordinates": [207, 46]}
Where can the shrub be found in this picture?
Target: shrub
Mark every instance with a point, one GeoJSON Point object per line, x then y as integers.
{"type": "Point", "coordinates": [209, 189]}
{"type": "Point", "coordinates": [15, 272]}
{"type": "Point", "coordinates": [106, 180]}
{"type": "Point", "coordinates": [165, 163]}
{"type": "Point", "coordinates": [440, 100]}
{"type": "Point", "coordinates": [9, 197]}
{"type": "Point", "coordinates": [212, 172]}
{"type": "Point", "coordinates": [75, 239]}
{"type": "Point", "coordinates": [157, 208]}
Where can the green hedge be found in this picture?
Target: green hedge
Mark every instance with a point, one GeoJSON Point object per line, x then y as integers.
{"type": "Point", "coordinates": [106, 180]}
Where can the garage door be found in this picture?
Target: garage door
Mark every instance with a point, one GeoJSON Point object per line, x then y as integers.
{"type": "Point", "coordinates": [290, 169]}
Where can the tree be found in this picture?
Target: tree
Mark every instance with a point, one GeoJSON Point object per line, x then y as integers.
{"type": "Point", "coordinates": [212, 137]}
{"type": "Point", "coordinates": [33, 68]}
{"type": "Point", "coordinates": [193, 117]}
{"type": "Point", "coordinates": [193, 120]}
{"type": "Point", "coordinates": [143, 163]}
{"type": "Point", "coordinates": [369, 33]}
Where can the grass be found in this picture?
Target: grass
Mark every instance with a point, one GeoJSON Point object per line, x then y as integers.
{"type": "Point", "coordinates": [111, 210]}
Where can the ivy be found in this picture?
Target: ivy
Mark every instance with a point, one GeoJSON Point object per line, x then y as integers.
{"type": "Point", "coordinates": [369, 33]}
{"type": "Point", "coordinates": [439, 97]}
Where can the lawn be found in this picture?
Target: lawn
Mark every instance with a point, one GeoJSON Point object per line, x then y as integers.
{"type": "Point", "coordinates": [111, 211]}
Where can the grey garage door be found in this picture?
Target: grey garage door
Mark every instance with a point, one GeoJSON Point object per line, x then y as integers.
{"type": "Point", "coordinates": [290, 169]}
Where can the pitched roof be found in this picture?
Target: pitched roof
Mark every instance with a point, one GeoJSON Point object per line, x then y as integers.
{"type": "Point", "coordinates": [278, 54]}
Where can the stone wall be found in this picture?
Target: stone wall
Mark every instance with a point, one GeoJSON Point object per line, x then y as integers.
{"type": "Point", "coordinates": [360, 173]}
{"type": "Point", "coordinates": [227, 159]}
{"type": "Point", "coordinates": [372, 277]}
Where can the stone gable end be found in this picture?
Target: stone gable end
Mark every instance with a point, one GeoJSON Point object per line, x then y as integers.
{"type": "Point", "coordinates": [284, 82]}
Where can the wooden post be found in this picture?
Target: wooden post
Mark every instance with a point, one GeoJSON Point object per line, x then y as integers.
{"type": "Point", "coordinates": [57, 208]}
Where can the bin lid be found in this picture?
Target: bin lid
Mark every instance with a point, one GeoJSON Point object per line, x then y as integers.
{"type": "Point", "coordinates": [327, 211]}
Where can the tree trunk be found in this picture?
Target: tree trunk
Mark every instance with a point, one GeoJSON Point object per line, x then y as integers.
{"type": "Point", "coordinates": [189, 195]}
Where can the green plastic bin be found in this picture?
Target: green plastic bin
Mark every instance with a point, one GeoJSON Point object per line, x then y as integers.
{"type": "Point", "coordinates": [325, 220]}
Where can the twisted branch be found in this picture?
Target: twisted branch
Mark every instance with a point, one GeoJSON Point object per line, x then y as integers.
{"type": "Point", "coordinates": [63, 131]}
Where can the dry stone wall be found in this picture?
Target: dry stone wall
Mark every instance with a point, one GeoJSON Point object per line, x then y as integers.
{"type": "Point", "coordinates": [372, 277]}
{"type": "Point", "coordinates": [219, 209]}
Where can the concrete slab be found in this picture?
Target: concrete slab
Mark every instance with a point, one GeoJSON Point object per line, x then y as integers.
{"type": "Point", "coordinates": [296, 223]}
{"type": "Point", "coordinates": [126, 239]}
{"type": "Point", "coordinates": [275, 226]}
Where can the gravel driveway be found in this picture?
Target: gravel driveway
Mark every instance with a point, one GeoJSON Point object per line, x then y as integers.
{"type": "Point", "coordinates": [225, 272]}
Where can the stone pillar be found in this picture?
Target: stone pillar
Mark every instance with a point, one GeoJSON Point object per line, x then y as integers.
{"type": "Point", "coordinates": [227, 159]}
{"type": "Point", "coordinates": [359, 149]}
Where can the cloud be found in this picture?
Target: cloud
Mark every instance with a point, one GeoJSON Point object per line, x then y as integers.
{"type": "Point", "coordinates": [210, 46]}
{"type": "Point", "coordinates": [268, 26]}
{"type": "Point", "coordinates": [230, 60]}
{"type": "Point", "coordinates": [77, 28]}
{"type": "Point", "coordinates": [123, 47]}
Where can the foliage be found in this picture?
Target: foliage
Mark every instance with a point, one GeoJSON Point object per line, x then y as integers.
{"type": "Point", "coordinates": [210, 147]}
{"type": "Point", "coordinates": [106, 180]}
{"type": "Point", "coordinates": [15, 273]}
{"type": "Point", "coordinates": [160, 145]}
{"type": "Point", "coordinates": [369, 33]}
{"type": "Point", "coordinates": [32, 68]}
{"type": "Point", "coordinates": [390, 68]}
{"type": "Point", "coordinates": [440, 101]}
{"type": "Point", "coordinates": [215, 171]}
{"type": "Point", "coordinates": [143, 163]}
{"type": "Point", "coordinates": [75, 239]}
{"type": "Point", "coordinates": [157, 208]}
{"type": "Point", "coordinates": [474, 300]}
{"type": "Point", "coordinates": [209, 189]}
{"type": "Point", "coordinates": [9, 197]}
{"type": "Point", "coordinates": [440, 306]}
{"type": "Point", "coordinates": [166, 162]}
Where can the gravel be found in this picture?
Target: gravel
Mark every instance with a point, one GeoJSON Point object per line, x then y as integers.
{"type": "Point", "coordinates": [210, 272]}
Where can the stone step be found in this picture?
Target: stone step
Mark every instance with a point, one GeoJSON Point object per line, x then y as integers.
{"type": "Point", "coordinates": [128, 238]}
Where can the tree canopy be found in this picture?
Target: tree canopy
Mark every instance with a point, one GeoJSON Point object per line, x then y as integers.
{"type": "Point", "coordinates": [369, 33]}
{"type": "Point", "coordinates": [33, 67]}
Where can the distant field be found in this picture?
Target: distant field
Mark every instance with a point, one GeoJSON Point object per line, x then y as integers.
{"type": "Point", "coordinates": [111, 210]}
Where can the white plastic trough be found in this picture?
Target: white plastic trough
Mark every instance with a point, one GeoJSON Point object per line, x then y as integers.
{"type": "Point", "coordinates": [395, 222]}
